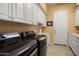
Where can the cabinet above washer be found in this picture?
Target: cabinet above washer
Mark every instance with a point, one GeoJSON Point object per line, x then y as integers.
{"type": "Point", "coordinates": [26, 13]}
{"type": "Point", "coordinates": [5, 11]}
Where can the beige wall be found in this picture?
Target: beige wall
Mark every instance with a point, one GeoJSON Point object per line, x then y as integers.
{"type": "Point", "coordinates": [16, 27]}
{"type": "Point", "coordinates": [71, 11]}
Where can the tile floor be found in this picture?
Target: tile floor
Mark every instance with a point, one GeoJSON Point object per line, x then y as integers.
{"type": "Point", "coordinates": [58, 50]}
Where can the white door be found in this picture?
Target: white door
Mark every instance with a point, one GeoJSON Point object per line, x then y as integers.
{"type": "Point", "coordinates": [60, 22]}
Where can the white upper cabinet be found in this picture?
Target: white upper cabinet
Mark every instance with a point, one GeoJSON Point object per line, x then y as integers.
{"type": "Point", "coordinates": [34, 13]}
{"type": "Point", "coordinates": [41, 16]}
{"type": "Point", "coordinates": [77, 17]}
{"type": "Point", "coordinates": [18, 12]}
{"type": "Point", "coordinates": [10, 11]}
{"type": "Point", "coordinates": [5, 11]}
{"type": "Point", "coordinates": [26, 11]}
{"type": "Point", "coordinates": [43, 19]}
{"type": "Point", "coordinates": [29, 13]}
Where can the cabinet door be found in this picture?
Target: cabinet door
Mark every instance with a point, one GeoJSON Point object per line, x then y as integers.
{"type": "Point", "coordinates": [18, 12]}
{"type": "Point", "coordinates": [41, 16]}
{"type": "Point", "coordinates": [44, 19]}
{"type": "Point", "coordinates": [26, 13]}
{"type": "Point", "coordinates": [74, 44]}
{"type": "Point", "coordinates": [29, 13]}
{"type": "Point", "coordinates": [70, 40]}
{"type": "Point", "coordinates": [4, 11]}
{"type": "Point", "coordinates": [35, 13]}
{"type": "Point", "coordinates": [10, 11]}
{"type": "Point", "coordinates": [77, 17]}
{"type": "Point", "coordinates": [77, 47]}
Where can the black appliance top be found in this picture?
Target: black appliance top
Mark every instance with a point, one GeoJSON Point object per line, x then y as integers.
{"type": "Point", "coordinates": [19, 46]}
{"type": "Point", "coordinates": [23, 49]}
{"type": "Point", "coordinates": [7, 35]}
{"type": "Point", "coordinates": [28, 35]}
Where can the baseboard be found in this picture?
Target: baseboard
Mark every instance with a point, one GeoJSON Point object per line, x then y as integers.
{"type": "Point", "coordinates": [72, 51]}
{"type": "Point", "coordinates": [60, 44]}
